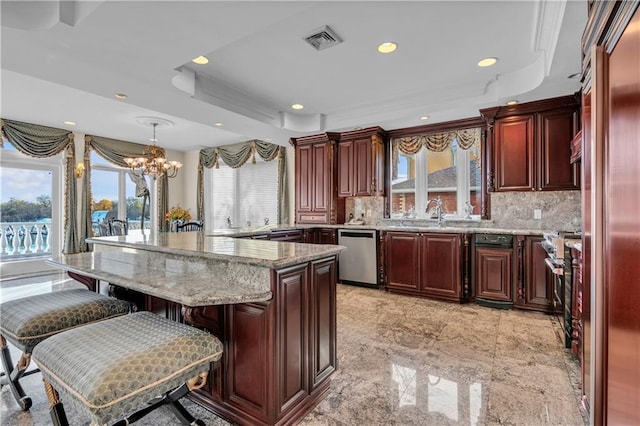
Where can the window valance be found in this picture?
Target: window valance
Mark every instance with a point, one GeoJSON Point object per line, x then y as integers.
{"type": "Point", "coordinates": [42, 141]}
{"type": "Point", "coordinates": [114, 150]}
{"type": "Point", "coordinates": [438, 142]}
{"type": "Point", "coordinates": [236, 156]}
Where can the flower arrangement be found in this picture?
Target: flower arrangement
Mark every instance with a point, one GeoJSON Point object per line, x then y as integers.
{"type": "Point", "coordinates": [178, 213]}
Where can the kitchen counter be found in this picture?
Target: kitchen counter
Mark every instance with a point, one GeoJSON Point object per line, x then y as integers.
{"type": "Point", "coordinates": [178, 279]}
{"type": "Point", "coordinates": [456, 227]}
{"type": "Point", "coordinates": [269, 302]}
{"type": "Point", "coordinates": [270, 254]}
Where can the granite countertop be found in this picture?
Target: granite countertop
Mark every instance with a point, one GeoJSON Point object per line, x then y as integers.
{"type": "Point", "coordinates": [454, 227]}
{"type": "Point", "coordinates": [270, 254]}
{"type": "Point", "coordinates": [181, 280]}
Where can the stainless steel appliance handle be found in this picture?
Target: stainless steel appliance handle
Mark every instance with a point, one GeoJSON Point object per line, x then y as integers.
{"type": "Point", "coordinates": [556, 270]}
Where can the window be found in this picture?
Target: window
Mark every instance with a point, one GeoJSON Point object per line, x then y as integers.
{"type": "Point", "coordinates": [452, 174]}
{"type": "Point", "coordinates": [246, 196]}
{"type": "Point", "coordinates": [31, 209]}
{"type": "Point", "coordinates": [114, 195]}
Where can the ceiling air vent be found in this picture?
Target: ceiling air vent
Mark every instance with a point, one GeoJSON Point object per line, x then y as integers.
{"type": "Point", "coordinates": [323, 38]}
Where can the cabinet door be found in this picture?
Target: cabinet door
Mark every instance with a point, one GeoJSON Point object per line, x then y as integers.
{"type": "Point", "coordinates": [493, 273]}
{"type": "Point", "coordinates": [402, 261]}
{"type": "Point", "coordinates": [322, 336]}
{"type": "Point", "coordinates": [304, 181]}
{"type": "Point", "coordinates": [514, 154]}
{"type": "Point", "coordinates": [538, 285]}
{"type": "Point", "coordinates": [291, 335]}
{"type": "Point", "coordinates": [363, 174]}
{"type": "Point", "coordinates": [249, 356]}
{"type": "Point", "coordinates": [345, 169]}
{"type": "Point", "coordinates": [326, 236]}
{"type": "Point", "coordinates": [440, 266]}
{"type": "Point", "coordinates": [321, 175]}
{"type": "Point", "coordinates": [556, 130]}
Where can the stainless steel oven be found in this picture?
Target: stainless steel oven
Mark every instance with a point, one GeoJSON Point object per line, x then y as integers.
{"type": "Point", "coordinates": [554, 245]}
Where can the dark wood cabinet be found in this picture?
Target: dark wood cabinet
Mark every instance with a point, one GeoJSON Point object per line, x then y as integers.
{"type": "Point", "coordinates": [494, 273]}
{"type": "Point", "coordinates": [556, 130]}
{"type": "Point", "coordinates": [424, 264]}
{"type": "Point", "coordinates": [402, 261]}
{"type": "Point", "coordinates": [537, 280]}
{"type": "Point", "coordinates": [280, 354]}
{"type": "Point", "coordinates": [361, 163]}
{"type": "Point", "coordinates": [316, 199]}
{"type": "Point", "coordinates": [531, 145]}
{"type": "Point", "coordinates": [290, 235]}
{"type": "Point", "coordinates": [514, 154]}
{"type": "Point", "coordinates": [320, 236]}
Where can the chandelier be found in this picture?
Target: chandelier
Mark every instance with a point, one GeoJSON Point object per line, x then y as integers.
{"type": "Point", "coordinates": [152, 161]}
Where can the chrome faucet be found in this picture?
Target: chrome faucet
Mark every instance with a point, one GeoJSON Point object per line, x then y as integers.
{"type": "Point", "coordinates": [468, 209]}
{"type": "Point", "coordinates": [229, 222]}
{"type": "Point", "coordinates": [439, 213]}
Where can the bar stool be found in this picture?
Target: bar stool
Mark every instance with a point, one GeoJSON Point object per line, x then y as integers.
{"type": "Point", "coordinates": [123, 368]}
{"type": "Point", "coordinates": [28, 321]}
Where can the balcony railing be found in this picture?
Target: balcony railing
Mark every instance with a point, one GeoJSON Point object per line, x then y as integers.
{"type": "Point", "coordinates": [19, 240]}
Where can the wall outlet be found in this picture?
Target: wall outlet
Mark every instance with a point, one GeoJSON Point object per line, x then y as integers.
{"type": "Point", "coordinates": [537, 213]}
{"type": "Point", "coordinates": [368, 212]}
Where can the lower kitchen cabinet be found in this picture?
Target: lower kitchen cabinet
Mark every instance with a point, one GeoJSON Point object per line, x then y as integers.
{"type": "Point", "coordinates": [426, 264]}
{"type": "Point", "coordinates": [320, 236]}
{"type": "Point", "coordinates": [290, 235]}
{"type": "Point", "coordinates": [493, 274]}
{"type": "Point", "coordinates": [536, 283]}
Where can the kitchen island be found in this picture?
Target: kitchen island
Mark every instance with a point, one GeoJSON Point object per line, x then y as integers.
{"type": "Point", "coordinates": [272, 304]}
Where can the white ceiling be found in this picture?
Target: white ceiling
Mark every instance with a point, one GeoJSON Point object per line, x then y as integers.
{"type": "Point", "coordinates": [66, 60]}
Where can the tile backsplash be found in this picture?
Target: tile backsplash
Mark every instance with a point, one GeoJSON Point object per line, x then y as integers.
{"type": "Point", "coordinates": [561, 210]}
{"type": "Point", "coordinates": [371, 209]}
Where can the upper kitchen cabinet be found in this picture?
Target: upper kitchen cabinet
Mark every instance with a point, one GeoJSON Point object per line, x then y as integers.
{"type": "Point", "coordinates": [361, 163]}
{"type": "Point", "coordinates": [315, 180]}
{"type": "Point", "coordinates": [531, 145]}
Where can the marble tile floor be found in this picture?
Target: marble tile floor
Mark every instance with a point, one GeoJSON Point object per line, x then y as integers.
{"type": "Point", "coordinates": [403, 361]}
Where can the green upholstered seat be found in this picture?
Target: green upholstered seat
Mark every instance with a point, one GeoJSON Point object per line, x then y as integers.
{"type": "Point", "coordinates": [109, 369]}
{"type": "Point", "coordinates": [26, 322]}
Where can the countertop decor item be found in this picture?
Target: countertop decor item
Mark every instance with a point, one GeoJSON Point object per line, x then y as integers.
{"type": "Point", "coordinates": [177, 213]}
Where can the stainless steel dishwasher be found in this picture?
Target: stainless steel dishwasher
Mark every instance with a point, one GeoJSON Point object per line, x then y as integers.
{"type": "Point", "coordinates": [359, 262]}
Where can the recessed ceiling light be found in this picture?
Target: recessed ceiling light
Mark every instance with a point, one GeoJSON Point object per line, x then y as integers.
{"type": "Point", "coordinates": [424, 117]}
{"type": "Point", "coordinates": [70, 123]}
{"type": "Point", "coordinates": [487, 62]}
{"type": "Point", "coordinates": [121, 96]}
{"type": "Point", "coordinates": [387, 47]}
{"type": "Point", "coordinates": [574, 75]}
{"type": "Point", "coordinates": [200, 60]}
{"type": "Point", "coordinates": [297, 106]}
{"type": "Point", "coordinates": [512, 102]}
{"type": "Point", "coordinates": [218, 124]}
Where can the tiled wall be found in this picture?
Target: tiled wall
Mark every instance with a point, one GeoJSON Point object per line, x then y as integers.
{"type": "Point", "coordinates": [560, 210]}
{"type": "Point", "coordinates": [510, 210]}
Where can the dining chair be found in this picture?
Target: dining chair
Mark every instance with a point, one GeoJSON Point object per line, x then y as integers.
{"type": "Point", "coordinates": [118, 227]}
{"type": "Point", "coordinates": [189, 226]}
{"type": "Point", "coordinates": [103, 229]}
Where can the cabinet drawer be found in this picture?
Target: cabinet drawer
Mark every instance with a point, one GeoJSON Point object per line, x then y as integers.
{"type": "Point", "coordinates": [312, 218]}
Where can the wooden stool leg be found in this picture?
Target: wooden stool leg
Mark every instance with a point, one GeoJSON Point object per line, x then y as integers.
{"type": "Point", "coordinates": [56, 409]}
{"type": "Point", "coordinates": [12, 376]}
